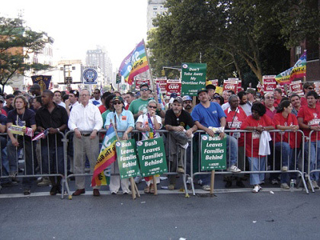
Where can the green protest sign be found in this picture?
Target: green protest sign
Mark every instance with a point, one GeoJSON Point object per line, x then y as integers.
{"type": "Point", "coordinates": [213, 153]}
{"type": "Point", "coordinates": [127, 158]}
{"type": "Point", "coordinates": [152, 157]}
{"type": "Point", "coordinates": [193, 78]}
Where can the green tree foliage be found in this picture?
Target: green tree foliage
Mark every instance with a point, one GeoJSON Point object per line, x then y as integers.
{"type": "Point", "coordinates": [243, 36]}
{"type": "Point", "coordinates": [17, 42]}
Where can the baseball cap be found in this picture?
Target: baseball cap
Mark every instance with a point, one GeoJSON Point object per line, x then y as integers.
{"type": "Point", "coordinates": [9, 96]}
{"type": "Point", "coordinates": [187, 98]}
{"type": "Point", "coordinates": [173, 95]}
{"type": "Point", "coordinates": [75, 93]}
{"type": "Point", "coordinates": [178, 99]}
{"type": "Point", "coordinates": [1, 99]}
{"type": "Point", "coordinates": [202, 90]}
{"type": "Point", "coordinates": [210, 86]}
{"type": "Point", "coordinates": [117, 98]}
{"type": "Point", "coordinates": [144, 85]}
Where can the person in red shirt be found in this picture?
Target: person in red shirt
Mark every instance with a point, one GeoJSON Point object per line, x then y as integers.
{"type": "Point", "coordinates": [285, 143]}
{"type": "Point", "coordinates": [309, 120]}
{"type": "Point", "coordinates": [235, 117]}
{"type": "Point", "coordinates": [277, 96]}
{"type": "Point", "coordinates": [257, 122]}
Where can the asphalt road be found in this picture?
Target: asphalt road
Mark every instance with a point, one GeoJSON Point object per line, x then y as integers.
{"type": "Point", "coordinates": [270, 214]}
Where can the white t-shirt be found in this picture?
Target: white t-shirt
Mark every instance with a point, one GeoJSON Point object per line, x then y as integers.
{"type": "Point", "coordinates": [144, 120]}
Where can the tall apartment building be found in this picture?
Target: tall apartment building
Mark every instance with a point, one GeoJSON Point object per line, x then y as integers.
{"type": "Point", "coordinates": [154, 8]}
{"type": "Point", "coordinates": [99, 58]}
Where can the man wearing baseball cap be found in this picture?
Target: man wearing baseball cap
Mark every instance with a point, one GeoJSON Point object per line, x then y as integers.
{"type": "Point", "coordinates": [187, 103]}
{"type": "Point", "coordinates": [208, 115]}
{"type": "Point", "coordinates": [176, 122]}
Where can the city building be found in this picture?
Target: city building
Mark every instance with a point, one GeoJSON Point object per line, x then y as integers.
{"type": "Point", "coordinates": [154, 8]}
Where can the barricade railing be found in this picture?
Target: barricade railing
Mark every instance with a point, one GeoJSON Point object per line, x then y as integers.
{"type": "Point", "coordinates": [32, 159]}
{"type": "Point", "coordinates": [137, 136]}
{"type": "Point", "coordinates": [273, 161]}
{"type": "Point", "coordinates": [312, 147]}
{"type": "Point", "coordinates": [31, 168]}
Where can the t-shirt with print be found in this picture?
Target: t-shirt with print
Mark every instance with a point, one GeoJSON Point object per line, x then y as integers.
{"type": "Point", "coordinates": [138, 105]}
{"type": "Point", "coordinates": [234, 121]}
{"type": "Point", "coordinates": [311, 117]}
{"type": "Point", "coordinates": [253, 139]}
{"type": "Point", "coordinates": [143, 118]}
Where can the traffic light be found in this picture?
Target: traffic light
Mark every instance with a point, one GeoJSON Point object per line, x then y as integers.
{"type": "Point", "coordinates": [163, 73]}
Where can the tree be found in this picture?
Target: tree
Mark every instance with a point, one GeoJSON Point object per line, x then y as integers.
{"type": "Point", "coordinates": [242, 36]}
{"type": "Point", "coordinates": [17, 42]}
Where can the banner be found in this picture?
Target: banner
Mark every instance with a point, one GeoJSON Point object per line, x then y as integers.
{"type": "Point", "coordinates": [127, 158]}
{"type": "Point", "coordinates": [297, 72]}
{"type": "Point", "coordinates": [107, 156]}
{"type": "Point", "coordinates": [42, 80]}
{"type": "Point", "coordinates": [134, 64]}
{"type": "Point", "coordinates": [213, 153]}
{"type": "Point", "coordinates": [193, 78]}
{"type": "Point", "coordinates": [173, 86]}
{"type": "Point", "coordinates": [152, 157]}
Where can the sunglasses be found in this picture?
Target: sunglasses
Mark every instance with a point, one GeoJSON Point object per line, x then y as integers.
{"type": "Point", "coordinates": [116, 103]}
{"type": "Point", "coordinates": [144, 89]}
{"type": "Point", "coordinates": [154, 107]}
{"type": "Point", "coordinates": [310, 88]}
{"type": "Point", "coordinates": [269, 97]}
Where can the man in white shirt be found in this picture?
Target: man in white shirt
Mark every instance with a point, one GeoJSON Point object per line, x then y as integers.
{"type": "Point", "coordinates": [85, 120]}
{"type": "Point", "coordinates": [72, 101]}
{"type": "Point", "coordinates": [57, 98]}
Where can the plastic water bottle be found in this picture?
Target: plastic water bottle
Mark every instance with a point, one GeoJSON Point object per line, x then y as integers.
{"type": "Point", "coordinates": [291, 185]}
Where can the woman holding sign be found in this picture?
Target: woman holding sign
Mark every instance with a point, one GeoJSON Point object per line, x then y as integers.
{"type": "Point", "coordinates": [257, 122]}
{"type": "Point", "coordinates": [147, 124]}
{"type": "Point", "coordinates": [122, 120]}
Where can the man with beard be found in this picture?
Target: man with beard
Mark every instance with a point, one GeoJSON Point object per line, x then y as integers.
{"type": "Point", "coordinates": [187, 103]}
{"type": "Point", "coordinates": [243, 102]}
{"type": "Point", "coordinates": [54, 118]}
{"type": "Point", "coordinates": [176, 122]}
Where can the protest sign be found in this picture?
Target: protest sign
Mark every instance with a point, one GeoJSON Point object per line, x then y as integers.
{"type": "Point", "coordinates": [213, 153]}
{"type": "Point", "coordinates": [193, 78]}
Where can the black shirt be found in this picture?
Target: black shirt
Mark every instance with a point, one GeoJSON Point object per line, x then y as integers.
{"type": "Point", "coordinates": [183, 120]}
{"type": "Point", "coordinates": [55, 119]}
{"type": "Point", "coordinates": [26, 119]}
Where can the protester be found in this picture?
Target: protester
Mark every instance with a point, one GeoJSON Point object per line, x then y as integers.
{"type": "Point", "coordinates": [139, 106]}
{"type": "Point", "coordinates": [72, 101]}
{"type": "Point", "coordinates": [235, 118]}
{"type": "Point", "coordinates": [285, 142]}
{"type": "Point", "coordinates": [54, 119]}
{"type": "Point", "coordinates": [251, 95]}
{"type": "Point", "coordinates": [307, 87]}
{"type": "Point", "coordinates": [5, 169]}
{"type": "Point", "coordinates": [85, 120]}
{"type": "Point", "coordinates": [123, 121]}
{"type": "Point", "coordinates": [35, 90]}
{"type": "Point", "coordinates": [218, 99]}
{"type": "Point", "coordinates": [208, 115]}
{"type": "Point", "coordinates": [269, 103]}
{"type": "Point", "coordinates": [128, 97]}
{"type": "Point", "coordinates": [36, 103]}
{"type": "Point", "coordinates": [102, 107]}
{"type": "Point", "coordinates": [21, 116]}
{"type": "Point", "coordinates": [96, 98]}
{"type": "Point", "coordinates": [177, 122]}
{"type": "Point", "coordinates": [277, 93]}
{"type": "Point", "coordinates": [309, 120]}
{"type": "Point", "coordinates": [211, 90]}
{"type": "Point", "coordinates": [243, 102]}
{"type": "Point", "coordinates": [148, 123]}
{"type": "Point", "coordinates": [257, 122]}
{"type": "Point", "coordinates": [187, 104]}
{"type": "Point", "coordinates": [57, 98]}
{"type": "Point", "coordinates": [109, 107]}
{"type": "Point", "coordinates": [9, 100]}
{"type": "Point", "coordinates": [296, 103]}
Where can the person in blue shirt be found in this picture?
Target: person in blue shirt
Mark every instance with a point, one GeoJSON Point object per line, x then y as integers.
{"type": "Point", "coordinates": [208, 115]}
{"type": "Point", "coordinates": [123, 121]}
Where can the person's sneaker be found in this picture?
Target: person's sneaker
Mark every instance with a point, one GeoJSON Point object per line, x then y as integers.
{"type": "Point", "coordinates": [206, 187]}
{"type": "Point", "coordinates": [234, 168]}
{"type": "Point", "coordinates": [315, 184]}
{"type": "Point", "coordinates": [44, 182]}
{"type": "Point", "coordinates": [180, 169]}
{"type": "Point", "coordinates": [256, 189]}
{"type": "Point", "coordinates": [171, 187]}
{"type": "Point", "coordinates": [26, 192]}
{"type": "Point", "coordinates": [185, 146]}
{"type": "Point", "coordinates": [274, 181]}
{"type": "Point", "coordinates": [284, 169]}
{"type": "Point", "coordinates": [284, 186]}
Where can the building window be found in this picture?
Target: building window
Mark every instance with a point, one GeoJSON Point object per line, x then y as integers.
{"type": "Point", "coordinates": [155, 8]}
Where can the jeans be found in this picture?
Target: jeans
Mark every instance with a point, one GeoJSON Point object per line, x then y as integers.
{"type": "Point", "coordinates": [4, 160]}
{"type": "Point", "coordinates": [314, 159]}
{"type": "Point", "coordinates": [52, 159]}
{"type": "Point", "coordinates": [257, 164]}
{"type": "Point", "coordinates": [286, 153]}
{"type": "Point", "coordinates": [13, 154]}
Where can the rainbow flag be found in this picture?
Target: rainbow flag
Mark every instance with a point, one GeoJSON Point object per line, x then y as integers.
{"type": "Point", "coordinates": [160, 97]}
{"type": "Point", "coordinates": [297, 72]}
{"type": "Point", "coordinates": [135, 63]}
{"type": "Point", "coordinates": [107, 156]}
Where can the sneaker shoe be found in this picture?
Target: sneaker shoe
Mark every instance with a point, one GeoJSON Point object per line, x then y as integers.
{"type": "Point", "coordinates": [284, 169]}
{"type": "Point", "coordinates": [206, 187]}
{"type": "Point", "coordinates": [26, 192]}
{"type": "Point", "coordinates": [256, 189]}
{"type": "Point", "coordinates": [44, 182]}
{"type": "Point", "coordinates": [180, 169]}
{"type": "Point", "coordinates": [234, 169]}
{"type": "Point", "coordinates": [171, 187]}
{"type": "Point", "coordinates": [185, 146]}
{"type": "Point", "coordinates": [274, 181]}
{"type": "Point", "coordinates": [284, 186]}
{"type": "Point", "coordinates": [315, 184]}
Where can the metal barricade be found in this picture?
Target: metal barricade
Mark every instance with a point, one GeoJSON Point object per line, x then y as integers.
{"type": "Point", "coordinates": [24, 161]}
{"type": "Point", "coordinates": [272, 166]}
{"type": "Point", "coordinates": [312, 150]}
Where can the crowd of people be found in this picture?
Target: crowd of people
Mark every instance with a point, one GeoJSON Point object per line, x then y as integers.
{"type": "Point", "coordinates": [85, 114]}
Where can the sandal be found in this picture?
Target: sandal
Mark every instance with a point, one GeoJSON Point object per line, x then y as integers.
{"type": "Point", "coordinates": [152, 188]}
{"type": "Point", "coordinates": [147, 189]}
